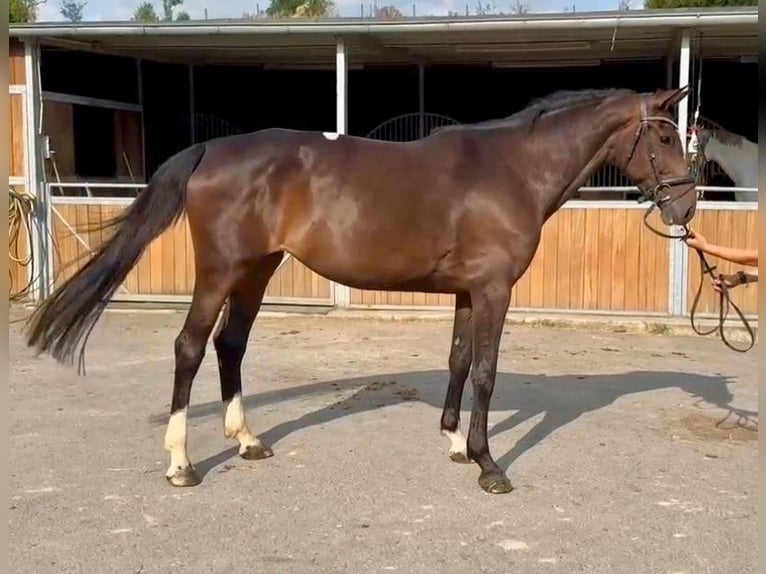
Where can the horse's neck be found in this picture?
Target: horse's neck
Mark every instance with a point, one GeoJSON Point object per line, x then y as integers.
{"type": "Point", "coordinates": [565, 165]}
{"type": "Point", "coordinates": [740, 162]}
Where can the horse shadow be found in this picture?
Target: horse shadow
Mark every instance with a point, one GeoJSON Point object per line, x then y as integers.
{"type": "Point", "coordinates": [560, 399]}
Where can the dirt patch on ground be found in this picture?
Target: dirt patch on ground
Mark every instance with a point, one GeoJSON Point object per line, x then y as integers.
{"type": "Point", "coordinates": [732, 427]}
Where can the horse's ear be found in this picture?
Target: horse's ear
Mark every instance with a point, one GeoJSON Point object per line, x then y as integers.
{"type": "Point", "coordinates": [667, 99]}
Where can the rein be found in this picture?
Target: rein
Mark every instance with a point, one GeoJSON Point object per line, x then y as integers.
{"type": "Point", "coordinates": [724, 300]}
{"type": "Point", "coordinates": [659, 196]}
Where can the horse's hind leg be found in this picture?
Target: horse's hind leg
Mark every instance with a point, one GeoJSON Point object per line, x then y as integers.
{"type": "Point", "coordinates": [459, 367]}
{"type": "Point", "coordinates": [210, 292]}
{"type": "Point", "coordinates": [230, 344]}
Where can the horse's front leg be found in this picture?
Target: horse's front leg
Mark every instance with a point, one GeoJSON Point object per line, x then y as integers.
{"type": "Point", "coordinates": [459, 367]}
{"type": "Point", "coordinates": [490, 305]}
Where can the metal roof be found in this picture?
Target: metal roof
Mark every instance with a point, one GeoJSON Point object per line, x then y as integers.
{"type": "Point", "coordinates": [515, 40]}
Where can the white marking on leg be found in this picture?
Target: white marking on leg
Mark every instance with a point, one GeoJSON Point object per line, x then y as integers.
{"type": "Point", "coordinates": [175, 442]}
{"type": "Point", "coordinates": [457, 442]}
{"type": "Point", "coordinates": [332, 136]}
{"type": "Point", "coordinates": [235, 425]}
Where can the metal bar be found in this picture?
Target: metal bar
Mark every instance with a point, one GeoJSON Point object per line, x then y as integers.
{"type": "Point", "coordinates": [341, 293]}
{"type": "Point", "coordinates": [572, 204]}
{"type": "Point", "coordinates": [64, 200]}
{"type": "Point", "coordinates": [192, 130]}
{"type": "Point", "coordinates": [173, 298]}
{"type": "Point", "coordinates": [140, 81]}
{"type": "Point", "coordinates": [724, 188]}
{"type": "Point", "coordinates": [40, 271]}
{"type": "Point", "coordinates": [86, 101]}
{"type": "Point", "coordinates": [202, 28]}
{"type": "Point", "coordinates": [97, 184]}
{"type": "Point", "coordinates": [421, 99]}
{"type": "Point", "coordinates": [678, 250]}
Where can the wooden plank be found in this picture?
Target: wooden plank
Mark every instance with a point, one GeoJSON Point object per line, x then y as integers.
{"type": "Point", "coordinates": [129, 145]}
{"type": "Point", "coordinates": [17, 136]}
{"type": "Point", "coordinates": [591, 263]}
{"type": "Point", "coordinates": [604, 280]}
{"type": "Point", "coordinates": [16, 65]}
{"type": "Point", "coordinates": [58, 125]}
{"type": "Point", "coordinates": [733, 228]}
{"type": "Point", "coordinates": [577, 266]}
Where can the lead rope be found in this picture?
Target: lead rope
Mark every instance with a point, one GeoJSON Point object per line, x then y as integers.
{"type": "Point", "coordinates": [723, 296]}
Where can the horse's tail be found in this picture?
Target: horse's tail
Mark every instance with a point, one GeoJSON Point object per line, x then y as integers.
{"type": "Point", "coordinates": [63, 322]}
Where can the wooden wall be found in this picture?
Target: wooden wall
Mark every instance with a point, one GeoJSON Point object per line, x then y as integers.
{"type": "Point", "coordinates": [588, 259]}
{"type": "Point", "coordinates": [18, 248]}
{"type": "Point", "coordinates": [16, 130]}
{"type": "Point", "coordinates": [734, 228]}
{"type": "Point", "coordinates": [167, 267]}
{"type": "Point", "coordinates": [16, 66]}
{"type": "Point", "coordinates": [595, 259]}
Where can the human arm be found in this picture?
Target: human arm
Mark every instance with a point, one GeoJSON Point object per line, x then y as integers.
{"type": "Point", "coordinates": [747, 257]}
{"type": "Point", "coordinates": [738, 278]}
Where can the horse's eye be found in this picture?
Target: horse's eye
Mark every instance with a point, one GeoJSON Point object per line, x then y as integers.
{"type": "Point", "coordinates": [665, 140]}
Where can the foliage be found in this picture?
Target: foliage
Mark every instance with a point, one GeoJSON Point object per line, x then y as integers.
{"type": "Point", "coordinates": [20, 11]}
{"type": "Point", "coordinates": [146, 12]}
{"type": "Point", "coordinates": [697, 3]}
{"type": "Point", "coordinates": [388, 13]}
{"type": "Point", "coordinates": [72, 10]}
{"type": "Point", "coordinates": [302, 9]}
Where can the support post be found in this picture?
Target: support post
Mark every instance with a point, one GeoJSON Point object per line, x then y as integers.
{"type": "Point", "coordinates": [679, 262]}
{"type": "Point", "coordinates": [140, 80]}
{"type": "Point", "coordinates": [421, 99]}
{"type": "Point", "coordinates": [192, 130]}
{"type": "Point", "coordinates": [35, 180]}
{"type": "Point", "coordinates": [684, 61]}
{"type": "Point", "coordinates": [341, 293]}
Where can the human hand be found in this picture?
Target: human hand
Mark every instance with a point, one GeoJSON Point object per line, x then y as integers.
{"type": "Point", "coordinates": [695, 240]}
{"type": "Point", "coordinates": [727, 281]}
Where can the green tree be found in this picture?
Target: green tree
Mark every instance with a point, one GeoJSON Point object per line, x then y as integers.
{"type": "Point", "coordinates": [20, 11]}
{"type": "Point", "coordinates": [301, 9]}
{"type": "Point", "coordinates": [388, 13]}
{"type": "Point", "coordinates": [72, 10]}
{"type": "Point", "coordinates": [146, 12]}
{"type": "Point", "coordinates": [696, 3]}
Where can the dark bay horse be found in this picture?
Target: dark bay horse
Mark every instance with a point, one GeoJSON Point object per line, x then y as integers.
{"type": "Point", "coordinates": [460, 211]}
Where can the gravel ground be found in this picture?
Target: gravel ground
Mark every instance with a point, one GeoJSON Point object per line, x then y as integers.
{"type": "Point", "coordinates": [628, 453]}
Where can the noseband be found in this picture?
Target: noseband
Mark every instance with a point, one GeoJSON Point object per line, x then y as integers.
{"type": "Point", "coordinates": [659, 194]}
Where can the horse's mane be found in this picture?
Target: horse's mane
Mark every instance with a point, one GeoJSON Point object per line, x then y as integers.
{"type": "Point", "coordinates": [723, 135]}
{"type": "Point", "coordinates": [554, 102]}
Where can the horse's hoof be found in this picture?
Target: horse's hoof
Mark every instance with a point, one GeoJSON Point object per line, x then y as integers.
{"type": "Point", "coordinates": [184, 477]}
{"type": "Point", "coordinates": [459, 457]}
{"type": "Point", "coordinates": [495, 483]}
{"type": "Point", "coordinates": [256, 452]}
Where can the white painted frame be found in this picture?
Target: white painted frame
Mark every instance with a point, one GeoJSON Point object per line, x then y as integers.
{"type": "Point", "coordinates": [341, 293]}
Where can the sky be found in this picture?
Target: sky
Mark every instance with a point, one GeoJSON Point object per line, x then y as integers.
{"type": "Point", "coordinates": [123, 9]}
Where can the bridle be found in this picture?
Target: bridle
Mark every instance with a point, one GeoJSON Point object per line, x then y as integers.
{"type": "Point", "coordinates": [659, 196]}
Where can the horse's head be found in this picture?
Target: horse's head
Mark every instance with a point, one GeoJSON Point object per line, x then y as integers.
{"type": "Point", "coordinates": [650, 152]}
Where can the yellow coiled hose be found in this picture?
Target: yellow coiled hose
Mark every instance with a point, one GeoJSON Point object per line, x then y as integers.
{"type": "Point", "coordinates": [20, 207]}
